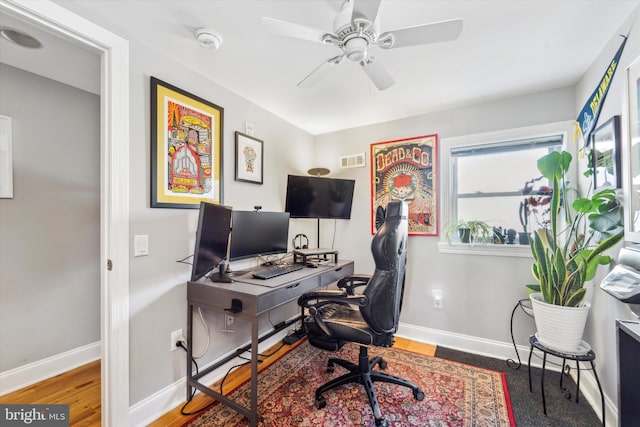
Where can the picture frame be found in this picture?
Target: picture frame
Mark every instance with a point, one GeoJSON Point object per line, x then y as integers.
{"type": "Point", "coordinates": [249, 158]}
{"type": "Point", "coordinates": [407, 169]}
{"type": "Point", "coordinates": [605, 155]}
{"type": "Point", "coordinates": [186, 148]}
{"type": "Point", "coordinates": [631, 152]}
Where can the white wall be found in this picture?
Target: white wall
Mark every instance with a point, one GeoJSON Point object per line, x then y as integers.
{"type": "Point", "coordinates": [49, 231]}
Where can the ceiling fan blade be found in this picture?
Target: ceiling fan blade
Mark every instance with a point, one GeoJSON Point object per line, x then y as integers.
{"type": "Point", "coordinates": [364, 10]}
{"type": "Point", "coordinates": [421, 34]}
{"type": "Point", "coordinates": [321, 72]}
{"type": "Point", "coordinates": [289, 29]}
{"type": "Point", "coordinates": [377, 73]}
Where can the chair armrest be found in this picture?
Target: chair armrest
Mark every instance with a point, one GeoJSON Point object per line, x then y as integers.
{"type": "Point", "coordinates": [320, 298]}
{"type": "Point", "coordinates": [349, 283]}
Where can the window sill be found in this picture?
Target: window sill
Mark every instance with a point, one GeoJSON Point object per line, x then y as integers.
{"type": "Point", "coordinates": [487, 249]}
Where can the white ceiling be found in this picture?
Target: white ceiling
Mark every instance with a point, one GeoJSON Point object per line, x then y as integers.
{"type": "Point", "coordinates": [506, 48]}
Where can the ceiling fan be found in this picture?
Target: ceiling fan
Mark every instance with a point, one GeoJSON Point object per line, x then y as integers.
{"type": "Point", "coordinates": [356, 31]}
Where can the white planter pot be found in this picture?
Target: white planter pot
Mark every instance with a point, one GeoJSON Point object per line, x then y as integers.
{"type": "Point", "coordinates": [559, 328]}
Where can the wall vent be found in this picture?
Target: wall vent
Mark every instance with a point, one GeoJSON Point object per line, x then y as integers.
{"type": "Point", "coordinates": [352, 161]}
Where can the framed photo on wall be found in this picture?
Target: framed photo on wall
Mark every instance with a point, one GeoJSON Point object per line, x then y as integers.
{"type": "Point", "coordinates": [407, 169]}
{"type": "Point", "coordinates": [249, 158]}
{"type": "Point", "coordinates": [605, 154]}
{"type": "Point", "coordinates": [186, 148]}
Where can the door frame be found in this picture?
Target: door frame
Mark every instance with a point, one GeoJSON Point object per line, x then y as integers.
{"type": "Point", "coordinates": [114, 190]}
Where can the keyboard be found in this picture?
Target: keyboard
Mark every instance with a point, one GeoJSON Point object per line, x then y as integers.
{"type": "Point", "coordinates": [277, 270]}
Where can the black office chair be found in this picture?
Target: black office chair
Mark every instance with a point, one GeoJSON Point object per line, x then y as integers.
{"type": "Point", "coordinates": [368, 318]}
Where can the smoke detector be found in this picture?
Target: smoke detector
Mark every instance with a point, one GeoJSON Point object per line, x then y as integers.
{"type": "Point", "coordinates": [208, 39]}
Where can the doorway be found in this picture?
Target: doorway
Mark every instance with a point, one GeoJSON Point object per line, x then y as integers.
{"type": "Point", "coordinates": [114, 194]}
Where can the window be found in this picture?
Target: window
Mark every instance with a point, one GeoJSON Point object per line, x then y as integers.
{"type": "Point", "coordinates": [482, 177]}
{"type": "Point", "coordinates": [491, 182]}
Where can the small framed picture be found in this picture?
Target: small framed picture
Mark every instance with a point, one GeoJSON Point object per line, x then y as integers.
{"type": "Point", "coordinates": [249, 158]}
{"type": "Point", "coordinates": [605, 152]}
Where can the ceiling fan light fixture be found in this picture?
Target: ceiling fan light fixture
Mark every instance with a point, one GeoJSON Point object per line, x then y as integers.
{"type": "Point", "coordinates": [356, 49]}
{"type": "Point", "coordinates": [208, 39]}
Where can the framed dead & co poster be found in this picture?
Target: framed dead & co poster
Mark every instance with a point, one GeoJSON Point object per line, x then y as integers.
{"type": "Point", "coordinates": [406, 169]}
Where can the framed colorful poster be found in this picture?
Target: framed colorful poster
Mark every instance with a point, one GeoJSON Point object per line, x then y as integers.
{"type": "Point", "coordinates": [249, 158]}
{"type": "Point", "coordinates": [186, 148]}
{"type": "Point", "coordinates": [407, 169]}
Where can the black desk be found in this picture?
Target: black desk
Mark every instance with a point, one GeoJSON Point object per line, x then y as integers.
{"type": "Point", "coordinates": [257, 297]}
{"type": "Point", "coordinates": [588, 356]}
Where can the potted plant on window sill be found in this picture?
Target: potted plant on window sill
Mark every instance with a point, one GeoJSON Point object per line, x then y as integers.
{"type": "Point", "coordinates": [568, 252]}
{"type": "Point", "coordinates": [472, 231]}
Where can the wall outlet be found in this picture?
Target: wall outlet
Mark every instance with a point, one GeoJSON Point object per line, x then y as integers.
{"type": "Point", "coordinates": [177, 336]}
{"type": "Point", "coordinates": [229, 320]}
{"type": "Point", "coordinates": [437, 298]}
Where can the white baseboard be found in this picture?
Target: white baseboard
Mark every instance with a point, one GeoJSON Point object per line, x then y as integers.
{"type": "Point", "coordinates": [23, 376]}
{"type": "Point", "coordinates": [153, 407]}
{"type": "Point", "coordinates": [502, 350]}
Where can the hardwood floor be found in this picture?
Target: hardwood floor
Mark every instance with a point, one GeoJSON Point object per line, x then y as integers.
{"type": "Point", "coordinates": [80, 388]}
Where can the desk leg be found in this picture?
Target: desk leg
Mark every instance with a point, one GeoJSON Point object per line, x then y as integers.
{"type": "Point", "coordinates": [544, 365]}
{"type": "Point", "coordinates": [189, 350]}
{"type": "Point", "coordinates": [253, 420]}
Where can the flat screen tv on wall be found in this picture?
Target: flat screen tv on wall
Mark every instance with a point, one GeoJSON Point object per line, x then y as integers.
{"type": "Point", "coordinates": [315, 197]}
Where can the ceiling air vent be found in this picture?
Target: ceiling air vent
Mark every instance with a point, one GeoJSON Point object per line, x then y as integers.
{"type": "Point", "coordinates": [352, 161]}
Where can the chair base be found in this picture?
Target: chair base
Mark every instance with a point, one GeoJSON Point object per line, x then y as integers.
{"type": "Point", "coordinates": [364, 374]}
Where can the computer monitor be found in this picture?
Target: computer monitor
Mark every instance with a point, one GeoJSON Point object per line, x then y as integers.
{"type": "Point", "coordinates": [315, 197]}
{"type": "Point", "coordinates": [212, 242]}
{"type": "Point", "coordinates": [256, 233]}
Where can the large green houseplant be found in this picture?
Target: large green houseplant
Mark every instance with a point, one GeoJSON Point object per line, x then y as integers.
{"type": "Point", "coordinates": [568, 252]}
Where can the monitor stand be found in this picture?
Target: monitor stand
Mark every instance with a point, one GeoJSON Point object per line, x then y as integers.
{"type": "Point", "coordinates": [221, 275]}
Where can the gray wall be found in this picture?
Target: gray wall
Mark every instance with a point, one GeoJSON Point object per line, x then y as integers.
{"type": "Point", "coordinates": [49, 231]}
{"type": "Point", "coordinates": [479, 291]}
{"type": "Point", "coordinates": [158, 282]}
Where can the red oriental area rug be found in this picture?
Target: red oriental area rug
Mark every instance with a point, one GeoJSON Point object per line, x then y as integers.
{"type": "Point", "coordinates": [455, 394]}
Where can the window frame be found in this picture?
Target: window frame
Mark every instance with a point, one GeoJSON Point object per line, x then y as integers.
{"type": "Point", "coordinates": [447, 174]}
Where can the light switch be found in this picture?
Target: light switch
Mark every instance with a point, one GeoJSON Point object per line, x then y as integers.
{"type": "Point", "coordinates": [141, 245]}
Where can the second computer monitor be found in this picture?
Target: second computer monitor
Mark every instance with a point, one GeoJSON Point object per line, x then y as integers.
{"type": "Point", "coordinates": [256, 233]}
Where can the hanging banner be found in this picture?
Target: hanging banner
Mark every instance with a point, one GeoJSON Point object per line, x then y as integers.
{"type": "Point", "coordinates": [588, 117]}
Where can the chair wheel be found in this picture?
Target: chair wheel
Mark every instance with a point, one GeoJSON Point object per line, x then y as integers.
{"type": "Point", "coordinates": [330, 368]}
{"type": "Point", "coordinates": [321, 402]}
{"type": "Point", "coordinates": [418, 394]}
{"type": "Point", "coordinates": [566, 393]}
{"type": "Point", "coordinates": [382, 364]}
{"type": "Point", "coordinates": [382, 423]}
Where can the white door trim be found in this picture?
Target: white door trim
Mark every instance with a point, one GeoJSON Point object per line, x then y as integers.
{"type": "Point", "coordinates": [114, 191]}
